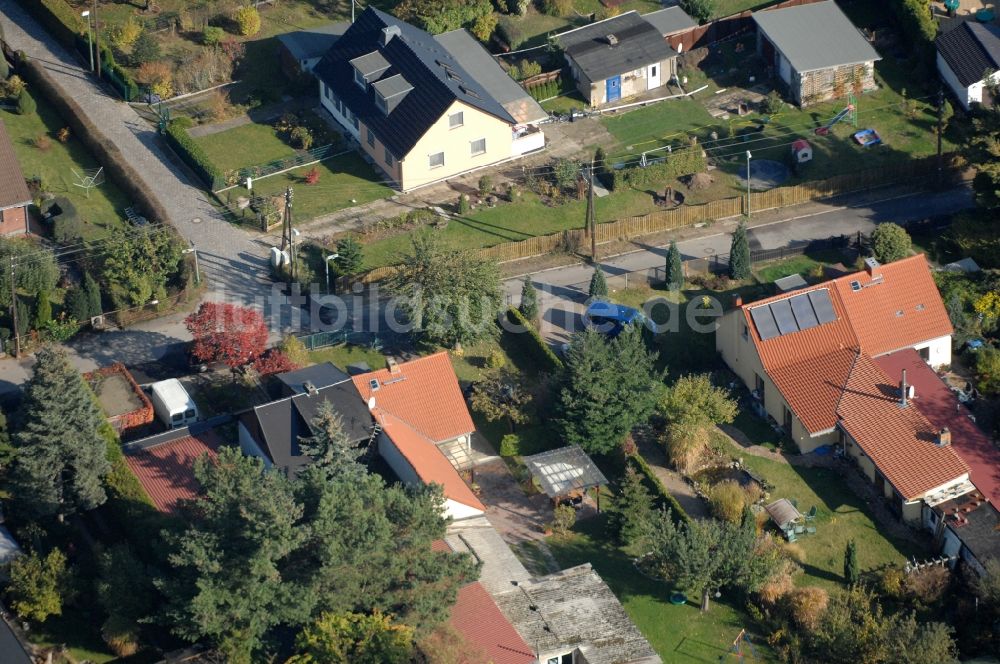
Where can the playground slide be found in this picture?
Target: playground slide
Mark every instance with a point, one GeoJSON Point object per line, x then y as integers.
{"type": "Point", "coordinates": [825, 129]}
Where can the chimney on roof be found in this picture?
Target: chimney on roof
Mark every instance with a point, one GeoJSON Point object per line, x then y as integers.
{"type": "Point", "coordinates": [310, 388]}
{"type": "Point", "coordinates": [737, 301]}
{"type": "Point", "coordinates": [872, 267]}
{"type": "Point", "coordinates": [944, 437]}
{"type": "Point", "coordinates": [388, 33]}
{"type": "Point", "coordinates": [902, 391]}
{"type": "Point", "coordinates": [612, 40]}
{"type": "Point", "coordinates": [393, 366]}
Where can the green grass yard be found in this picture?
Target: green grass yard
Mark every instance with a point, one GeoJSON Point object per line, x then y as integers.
{"type": "Point", "coordinates": [243, 146]}
{"type": "Point", "coordinates": [680, 634]}
{"type": "Point", "coordinates": [102, 210]}
{"type": "Point", "coordinates": [342, 355]}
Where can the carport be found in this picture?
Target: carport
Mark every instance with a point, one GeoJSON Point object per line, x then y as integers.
{"type": "Point", "coordinates": [566, 473]}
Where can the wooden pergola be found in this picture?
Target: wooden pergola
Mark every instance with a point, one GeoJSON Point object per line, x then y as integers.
{"type": "Point", "coordinates": [566, 472]}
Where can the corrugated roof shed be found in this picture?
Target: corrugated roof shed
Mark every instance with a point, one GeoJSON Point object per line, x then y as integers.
{"type": "Point", "coordinates": [815, 36]}
{"type": "Point", "coordinates": [971, 50]}
{"type": "Point", "coordinates": [13, 189]}
{"type": "Point", "coordinates": [576, 608]}
{"type": "Point", "coordinates": [638, 44]}
{"type": "Point", "coordinates": [165, 465]}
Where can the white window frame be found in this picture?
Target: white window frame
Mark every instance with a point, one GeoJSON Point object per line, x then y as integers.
{"type": "Point", "coordinates": [461, 119]}
{"type": "Point", "coordinates": [430, 162]}
{"type": "Point", "coordinates": [472, 147]}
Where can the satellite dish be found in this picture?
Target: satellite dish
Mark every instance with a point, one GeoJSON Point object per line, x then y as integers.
{"type": "Point", "coordinates": [371, 403]}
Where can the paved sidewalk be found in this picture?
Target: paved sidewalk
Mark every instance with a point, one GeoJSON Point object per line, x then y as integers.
{"type": "Point", "coordinates": [232, 261]}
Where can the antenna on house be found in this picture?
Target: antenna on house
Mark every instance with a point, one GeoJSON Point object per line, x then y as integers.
{"type": "Point", "coordinates": [902, 391]}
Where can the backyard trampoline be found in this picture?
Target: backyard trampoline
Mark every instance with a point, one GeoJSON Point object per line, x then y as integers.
{"type": "Point", "coordinates": [765, 174]}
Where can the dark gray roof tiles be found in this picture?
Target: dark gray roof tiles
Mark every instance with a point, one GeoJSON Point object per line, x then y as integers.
{"type": "Point", "coordinates": [313, 42]}
{"type": "Point", "coordinates": [815, 36]}
{"type": "Point", "coordinates": [438, 80]}
{"type": "Point", "coordinates": [971, 50]}
{"type": "Point", "coordinates": [638, 44]}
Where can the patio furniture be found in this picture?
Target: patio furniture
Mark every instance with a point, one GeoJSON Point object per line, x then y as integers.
{"type": "Point", "coordinates": [677, 599]}
{"type": "Point", "coordinates": [800, 530]}
{"type": "Point", "coordinates": [811, 530]}
{"type": "Point", "coordinates": [790, 535]}
{"type": "Point", "coordinates": [811, 514]}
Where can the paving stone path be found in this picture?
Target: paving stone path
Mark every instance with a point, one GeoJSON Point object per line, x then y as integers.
{"type": "Point", "coordinates": [232, 261]}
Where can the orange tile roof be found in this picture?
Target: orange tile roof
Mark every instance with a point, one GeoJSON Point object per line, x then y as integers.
{"type": "Point", "coordinates": [424, 393]}
{"type": "Point", "coordinates": [478, 619]}
{"type": "Point", "coordinates": [429, 462]}
{"type": "Point", "coordinates": [901, 310]}
{"type": "Point", "coordinates": [899, 441]}
{"type": "Point", "coordinates": [13, 189]}
{"type": "Point", "coordinates": [809, 367]}
{"type": "Point", "coordinates": [166, 471]}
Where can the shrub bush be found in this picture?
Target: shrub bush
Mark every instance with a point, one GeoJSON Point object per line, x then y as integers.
{"type": "Point", "coordinates": [557, 7]}
{"type": "Point", "coordinates": [807, 605]}
{"type": "Point", "coordinates": [63, 135]}
{"type": "Point", "coordinates": [212, 35]}
{"type": "Point", "coordinates": [312, 176]}
{"type": "Point", "coordinates": [125, 35]}
{"type": "Point", "coordinates": [890, 242]}
{"type": "Point", "coordinates": [663, 496]}
{"type": "Point", "coordinates": [484, 26]}
{"type": "Point", "coordinates": [485, 185]}
{"type": "Point", "coordinates": [191, 153]}
{"type": "Point", "coordinates": [42, 142]}
{"type": "Point", "coordinates": [727, 500]}
{"type": "Point", "coordinates": [496, 359]}
{"type": "Point", "coordinates": [26, 104]}
{"type": "Point", "coordinates": [533, 343]}
{"type": "Point", "coordinates": [12, 87]}
{"type": "Point", "coordinates": [510, 445]}
{"type": "Point", "coordinates": [563, 519]}
{"type": "Point", "coordinates": [247, 20]}
{"type": "Point", "coordinates": [67, 227]}
{"type": "Point", "coordinates": [511, 31]}
{"type": "Point", "coordinates": [158, 77]}
{"type": "Point", "coordinates": [301, 138]}
{"type": "Point", "coordinates": [146, 49]}
{"type": "Point", "coordinates": [682, 162]}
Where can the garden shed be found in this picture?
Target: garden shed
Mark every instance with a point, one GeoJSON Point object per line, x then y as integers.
{"type": "Point", "coordinates": [964, 55]}
{"type": "Point", "coordinates": [301, 50]}
{"type": "Point", "coordinates": [816, 51]}
{"type": "Point", "coordinates": [617, 58]}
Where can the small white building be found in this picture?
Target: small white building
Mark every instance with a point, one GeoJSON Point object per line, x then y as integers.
{"type": "Point", "coordinates": [964, 55]}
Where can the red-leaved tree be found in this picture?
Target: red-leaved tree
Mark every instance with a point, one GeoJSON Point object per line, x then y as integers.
{"type": "Point", "coordinates": [227, 333]}
{"type": "Point", "coordinates": [272, 362]}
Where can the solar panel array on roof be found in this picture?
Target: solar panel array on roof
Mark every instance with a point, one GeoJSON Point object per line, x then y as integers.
{"type": "Point", "coordinates": [793, 314]}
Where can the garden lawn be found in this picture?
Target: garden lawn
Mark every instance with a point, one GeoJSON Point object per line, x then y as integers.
{"type": "Point", "coordinates": [511, 222]}
{"type": "Point", "coordinates": [841, 516]}
{"type": "Point", "coordinates": [79, 630]}
{"type": "Point", "coordinates": [102, 210]}
{"type": "Point", "coordinates": [342, 355]}
{"type": "Point", "coordinates": [344, 181]}
{"type": "Point", "coordinates": [680, 634]}
{"type": "Point", "coordinates": [247, 145]}
{"type": "Point", "coordinates": [770, 271]}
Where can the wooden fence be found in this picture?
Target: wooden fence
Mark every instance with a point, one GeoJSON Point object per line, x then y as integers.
{"type": "Point", "coordinates": [628, 228]}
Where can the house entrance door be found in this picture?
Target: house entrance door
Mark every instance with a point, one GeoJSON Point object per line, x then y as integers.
{"type": "Point", "coordinates": [653, 77]}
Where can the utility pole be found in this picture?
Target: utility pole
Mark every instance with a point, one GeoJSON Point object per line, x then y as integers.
{"type": "Point", "coordinates": [940, 124]}
{"type": "Point", "coordinates": [97, 41]}
{"type": "Point", "coordinates": [13, 309]}
{"type": "Point", "coordinates": [287, 235]}
{"type": "Point", "coordinates": [586, 219]}
{"type": "Point", "coordinates": [592, 214]}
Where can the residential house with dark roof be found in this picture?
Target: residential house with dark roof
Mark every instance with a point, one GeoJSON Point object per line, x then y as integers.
{"type": "Point", "coordinates": [424, 108]}
{"type": "Point", "coordinates": [164, 464]}
{"type": "Point", "coordinates": [816, 51]}
{"type": "Point", "coordinates": [14, 195]}
{"type": "Point", "coordinates": [301, 50]}
{"type": "Point", "coordinates": [273, 430]}
{"type": "Point", "coordinates": [317, 376]}
{"type": "Point", "coordinates": [618, 58]}
{"type": "Point", "coordinates": [420, 411]}
{"type": "Point", "coordinates": [811, 359]}
{"type": "Point", "coordinates": [966, 54]}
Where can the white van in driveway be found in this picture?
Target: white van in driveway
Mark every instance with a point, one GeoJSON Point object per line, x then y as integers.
{"type": "Point", "coordinates": [172, 403]}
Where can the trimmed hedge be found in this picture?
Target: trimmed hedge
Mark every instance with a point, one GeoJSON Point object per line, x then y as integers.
{"type": "Point", "coordinates": [683, 162]}
{"type": "Point", "coordinates": [535, 345]}
{"type": "Point", "coordinates": [191, 153]}
{"type": "Point", "coordinates": [917, 22]}
{"type": "Point", "coordinates": [663, 495]}
{"type": "Point", "coordinates": [57, 17]}
{"type": "Point", "coordinates": [115, 164]}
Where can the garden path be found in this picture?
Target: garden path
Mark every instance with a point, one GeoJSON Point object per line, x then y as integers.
{"type": "Point", "coordinates": [655, 456]}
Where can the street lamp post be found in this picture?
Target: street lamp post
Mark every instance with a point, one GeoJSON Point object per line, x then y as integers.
{"type": "Point", "coordinates": [748, 183]}
{"type": "Point", "coordinates": [326, 261]}
{"type": "Point", "coordinates": [90, 38]}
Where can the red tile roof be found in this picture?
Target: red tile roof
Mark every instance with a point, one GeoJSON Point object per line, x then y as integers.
{"type": "Point", "coordinates": [478, 619]}
{"type": "Point", "coordinates": [900, 441]}
{"type": "Point", "coordinates": [424, 393]}
{"type": "Point", "coordinates": [13, 189]}
{"type": "Point", "coordinates": [901, 310]}
{"type": "Point", "coordinates": [429, 462]}
{"type": "Point", "coordinates": [939, 405]}
{"type": "Point", "coordinates": [166, 471]}
{"type": "Point", "coordinates": [810, 367]}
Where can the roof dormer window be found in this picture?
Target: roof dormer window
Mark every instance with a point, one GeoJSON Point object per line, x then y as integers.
{"type": "Point", "coordinates": [369, 68]}
{"type": "Point", "coordinates": [390, 91]}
